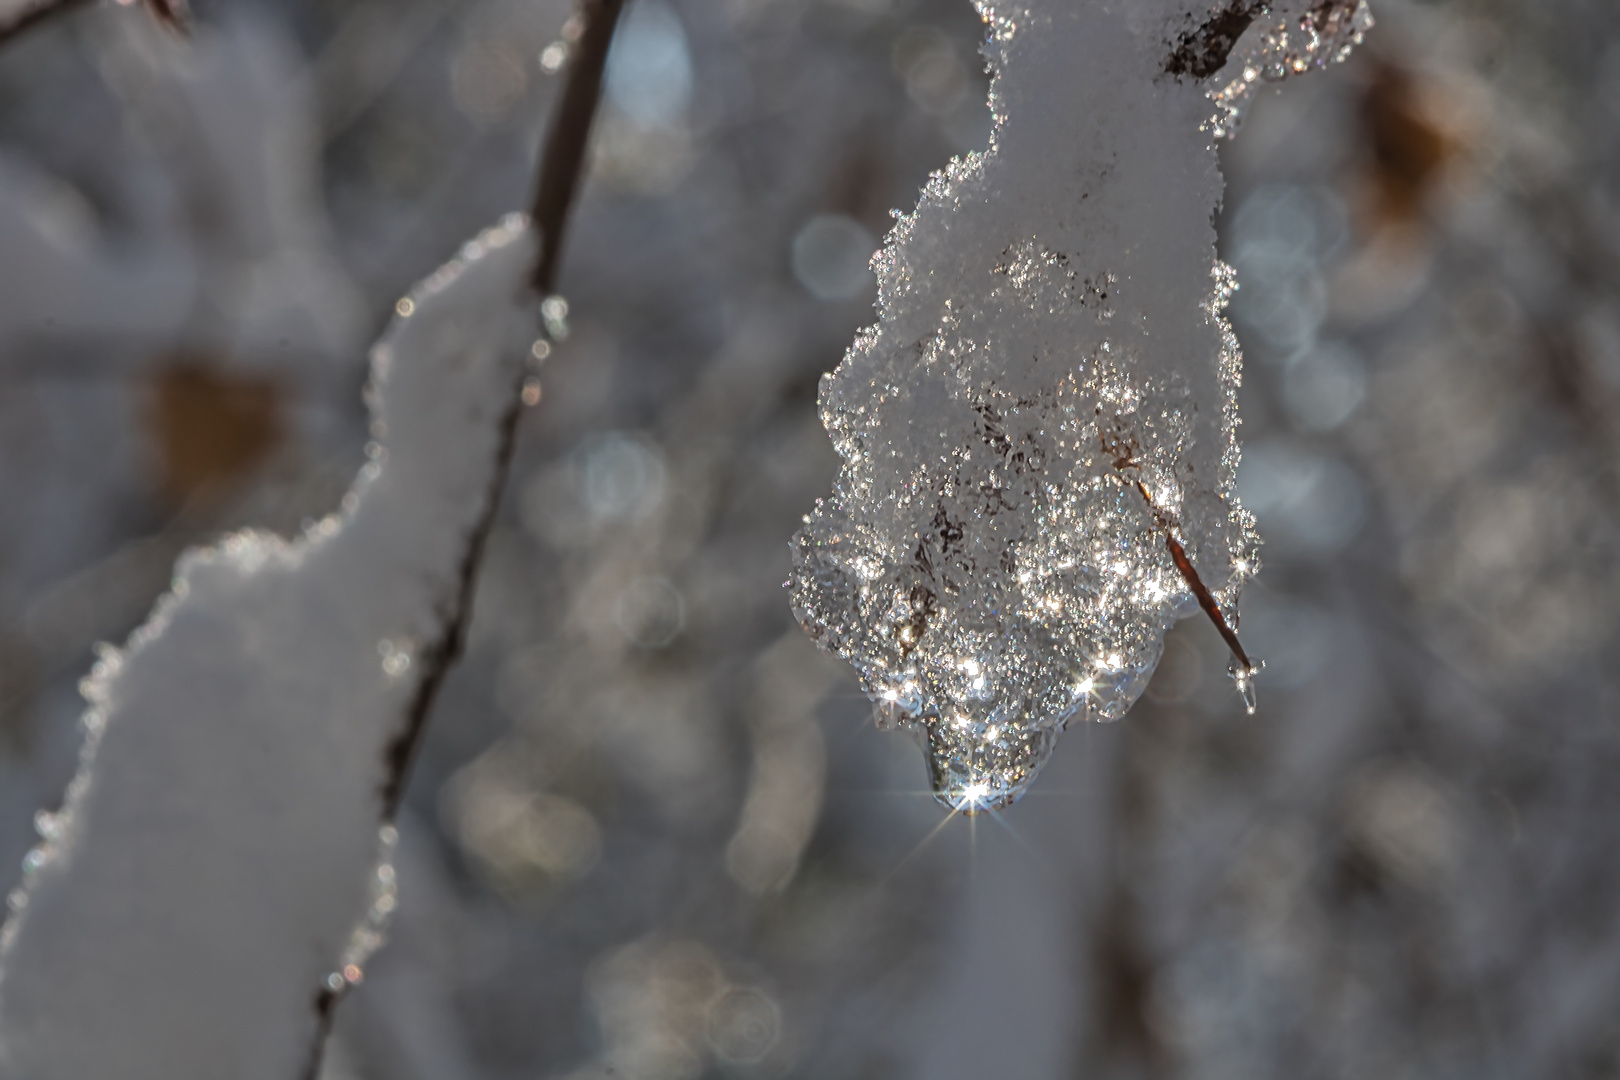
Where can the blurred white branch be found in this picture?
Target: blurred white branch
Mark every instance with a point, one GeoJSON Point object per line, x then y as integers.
{"type": "Point", "coordinates": [192, 904]}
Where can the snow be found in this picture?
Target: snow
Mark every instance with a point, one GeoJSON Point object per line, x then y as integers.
{"type": "Point", "coordinates": [219, 848]}
{"type": "Point", "coordinates": [1290, 39]}
{"type": "Point", "coordinates": [1050, 390]}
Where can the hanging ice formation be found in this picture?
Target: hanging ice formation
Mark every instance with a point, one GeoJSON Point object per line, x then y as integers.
{"type": "Point", "coordinates": [1048, 399]}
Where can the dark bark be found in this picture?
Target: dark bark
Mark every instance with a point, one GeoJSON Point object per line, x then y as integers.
{"type": "Point", "coordinates": [1202, 52]}
{"type": "Point", "coordinates": [28, 18]}
{"type": "Point", "coordinates": [562, 160]}
{"type": "Point", "coordinates": [172, 14]}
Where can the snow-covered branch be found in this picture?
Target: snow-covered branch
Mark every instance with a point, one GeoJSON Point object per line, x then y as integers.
{"type": "Point", "coordinates": [220, 871]}
{"type": "Point", "coordinates": [195, 898]}
{"type": "Point", "coordinates": [1040, 434]}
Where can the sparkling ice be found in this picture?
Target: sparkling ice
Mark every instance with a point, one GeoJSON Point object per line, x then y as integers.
{"type": "Point", "coordinates": [1049, 392]}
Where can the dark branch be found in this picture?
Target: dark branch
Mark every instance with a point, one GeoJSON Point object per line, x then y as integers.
{"type": "Point", "coordinates": [561, 162]}
{"type": "Point", "coordinates": [326, 1000]}
{"type": "Point", "coordinates": [174, 15]}
{"type": "Point", "coordinates": [1207, 601]}
{"type": "Point", "coordinates": [29, 17]}
{"type": "Point", "coordinates": [563, 158]}
{"type": "Point", "coordinates": [1189, 574]}
{"type": "Point", "coordinates": [1202, 52]}
{"type": "Point", "coordinates": [440, 656]}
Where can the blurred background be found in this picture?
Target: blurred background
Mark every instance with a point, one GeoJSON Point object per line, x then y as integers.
{"type": "Point", "coordinates": [653, 834]}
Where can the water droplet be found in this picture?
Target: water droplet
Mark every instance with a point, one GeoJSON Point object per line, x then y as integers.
{"type": "Point", "coordinates": [47, 825]}
{"type": "Point", "coordinates": [554, 314]}
{"type": "Point", "coordinates": [396, 657]}
{"type": "Point", "coordinates": [1243, 679]}
{"type": "Point", "coordinates": [367, 937]}
{"type": "Point", "coordinates": [553, 57]}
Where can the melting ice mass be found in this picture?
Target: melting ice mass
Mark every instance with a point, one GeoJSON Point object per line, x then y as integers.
{"type": "Point", "coordinates": [1050, 390]}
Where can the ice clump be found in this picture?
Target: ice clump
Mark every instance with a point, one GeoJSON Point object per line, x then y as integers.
{"type": "Point", "coordinates": [1286, 40]}
{"type": "Point", "coordinates": [1049, 394]}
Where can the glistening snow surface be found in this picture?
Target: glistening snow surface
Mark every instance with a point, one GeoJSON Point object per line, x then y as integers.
{"type": "Point", "coordinates": [218, 850]}
{"type": "Point", "coordinates": [1049, 391]}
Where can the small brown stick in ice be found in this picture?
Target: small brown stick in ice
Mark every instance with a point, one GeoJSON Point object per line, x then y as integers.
{"type": "Point", "coordinates": [1189, 573]}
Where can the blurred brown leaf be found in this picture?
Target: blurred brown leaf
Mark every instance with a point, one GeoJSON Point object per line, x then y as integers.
{"type": "Point", "coordinates": [211, 427]}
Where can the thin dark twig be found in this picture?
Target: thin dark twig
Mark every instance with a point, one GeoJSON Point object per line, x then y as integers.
{"type": "Point", "coordinates": [1203, 51]}
{"type": "Point", "coordinates": [563, 159]}
{"type": "Point", "coordinates": [29, 17]}
{"type": "Point", "coordinates": [173, 15]}
{"type": "Point", "coordinates": [561, 163]}
{"type": "Point", "coordinates": [1189, 573]}
{"type": "Point", "coordinates": [1207, 601]}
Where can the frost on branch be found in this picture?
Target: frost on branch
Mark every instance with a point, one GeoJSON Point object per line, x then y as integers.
{"type": "Point", "coordinates": [1284, 40]}
{"type": "Point", "coordinates": [1049, 396]}
{"type": "Point", "coordinates": [214, 872]}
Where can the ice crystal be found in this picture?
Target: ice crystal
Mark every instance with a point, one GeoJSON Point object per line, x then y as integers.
{"type": "Point", "coordinates": [368, 937]}
{"type": "Point", "coordinates": [1046, 407]}
{"type": "Point", "coordinates": [1289, 42]}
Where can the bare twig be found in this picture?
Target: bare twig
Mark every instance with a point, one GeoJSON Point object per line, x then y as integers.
{"type": "Point", "coordinates": [20, 22]}
{"type": "Point", "coordinates": [564, 155]}
{"type": "Point", "coordinates": [561, 162]}
{"type": "Point", "coordinates": [1189, 574]}
{"type": "Point", "coordinates": [1207, 601]}
{"type": "Point", "coordinates": [1123, 454]}
{"type": "Point", "coordinates": [1203, 51]}
{"type": "Point", "coordinates": [174, 15]}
